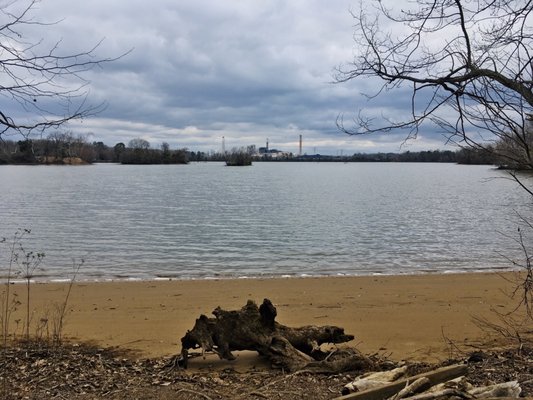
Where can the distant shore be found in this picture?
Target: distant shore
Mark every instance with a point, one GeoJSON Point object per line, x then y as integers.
{"type": "Point", "coordinates": [406, 317]}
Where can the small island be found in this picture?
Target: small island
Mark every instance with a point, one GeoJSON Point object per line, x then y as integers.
{"type": "Point", "coordinates": [238, 158]}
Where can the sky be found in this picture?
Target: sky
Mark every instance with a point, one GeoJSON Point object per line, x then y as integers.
{"type": "Point", "coordinates": [248, 71]}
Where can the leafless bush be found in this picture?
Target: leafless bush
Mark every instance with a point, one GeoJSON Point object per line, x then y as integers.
{"type": "Point", "coordinates": [515, 324]}
{"type": "Point", "coordinates": [60, 311]}
{"type": "Point", "coordinates": [48, 329]}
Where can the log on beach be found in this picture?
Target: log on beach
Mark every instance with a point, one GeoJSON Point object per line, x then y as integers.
{"type": "Point", "coordinates": [255, 328]}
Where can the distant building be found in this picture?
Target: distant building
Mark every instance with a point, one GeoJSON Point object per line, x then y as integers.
{"type": "Point", "coordinates": [272, 153]}
{"type": "Point", "coordinates": [266, 150]}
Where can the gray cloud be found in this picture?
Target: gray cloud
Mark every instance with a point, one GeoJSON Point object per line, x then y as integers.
{"type": "Point", "coordinates": [199, 70]}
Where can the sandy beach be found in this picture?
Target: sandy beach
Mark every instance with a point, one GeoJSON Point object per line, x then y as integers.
{"type": "Point", "coordinates": [406, 317]}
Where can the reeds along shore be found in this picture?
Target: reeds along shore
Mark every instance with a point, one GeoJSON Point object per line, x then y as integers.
{"type": "Point", "coordinates": [405, 317]}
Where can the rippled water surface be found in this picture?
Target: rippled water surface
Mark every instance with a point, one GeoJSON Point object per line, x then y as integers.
{"type": "Point", "coordinates": [208, 220]}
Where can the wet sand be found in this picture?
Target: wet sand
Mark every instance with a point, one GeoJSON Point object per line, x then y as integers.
{"type": "Point", "coordinates": [406, 317]}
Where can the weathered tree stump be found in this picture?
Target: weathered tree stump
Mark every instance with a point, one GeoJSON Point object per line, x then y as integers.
{"type": "Point", "coordinates": [254, 328]}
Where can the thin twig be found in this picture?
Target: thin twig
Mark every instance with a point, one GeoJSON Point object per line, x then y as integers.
{"type": "Point", "coordinates": [258, 395]}
{"type": "Point", "coordinates": [194, 392]}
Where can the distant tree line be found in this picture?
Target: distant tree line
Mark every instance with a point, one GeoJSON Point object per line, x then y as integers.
{"type": "Point", "coordinates": [67, 148]}
{"type": "Point", "coordinates": [140, 152]}
{"type": "Point", "coordinates": [57, 148]}
{"type": "Point", "coordinates": [462, 156]}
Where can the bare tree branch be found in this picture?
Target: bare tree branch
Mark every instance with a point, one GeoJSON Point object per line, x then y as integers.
{"type": "Point", "coordinates": [469, 64]}
{"type": "Point", "coordinates": [45, 86]}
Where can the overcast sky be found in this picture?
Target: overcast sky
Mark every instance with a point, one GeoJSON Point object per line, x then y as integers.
{"type": "Point", "coordinates": [200, 70]}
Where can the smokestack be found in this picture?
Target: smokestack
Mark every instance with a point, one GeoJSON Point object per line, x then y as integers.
{"type": "Point", "coordinates": [300, 145]}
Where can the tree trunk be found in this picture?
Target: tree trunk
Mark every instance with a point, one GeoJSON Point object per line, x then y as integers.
{"type": "Point", "coordinates": [254, 328]}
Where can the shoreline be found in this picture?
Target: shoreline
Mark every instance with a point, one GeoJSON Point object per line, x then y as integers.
{"type": "Point", "coordinates": [123, 279]}
{"type": "Point", "coordinates": [405, 316]}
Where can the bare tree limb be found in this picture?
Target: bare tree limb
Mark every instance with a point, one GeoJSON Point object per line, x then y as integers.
{"type": "Point", "coordinates": [469, 64]}
{"type": "Point", "coordinates": [46, 86]}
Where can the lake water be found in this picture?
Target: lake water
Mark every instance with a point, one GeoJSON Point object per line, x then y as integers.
{"type": "Point", "coordinates": [205, 220]}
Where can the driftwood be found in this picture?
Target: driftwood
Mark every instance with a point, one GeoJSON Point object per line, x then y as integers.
{"type": "Point", "coordinates": [391, 389]}
{"type": "Point", "coordinates": [374, 379]}
{"type": "Point", "coordinates": [255, 328]}
{"type": "Point", "coordinates": [506, 390]}
{"type": "Point", "coordinates": [419, 385]}
{"type": "Point", "coordinates": [443, 383]}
